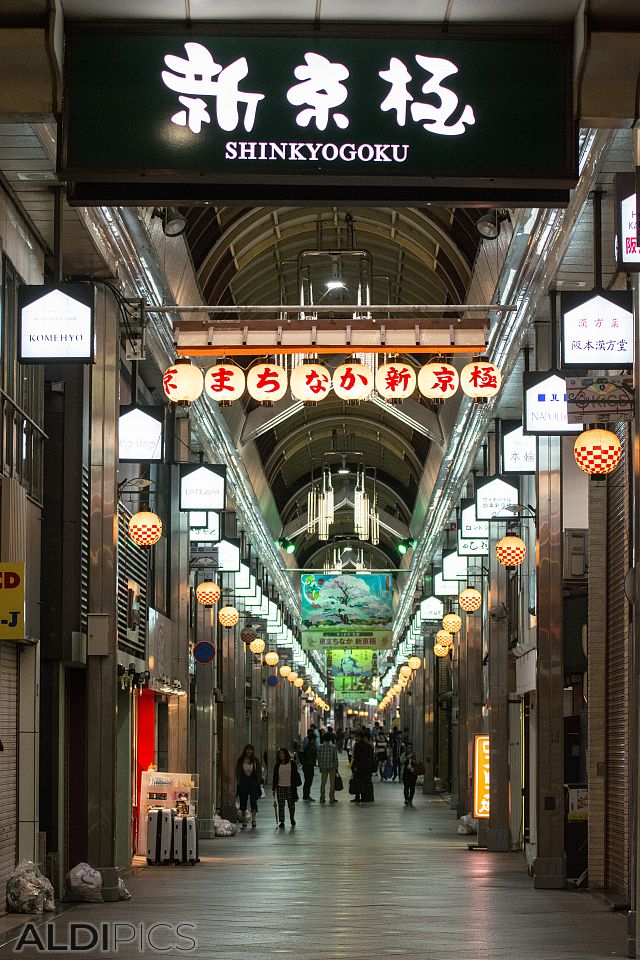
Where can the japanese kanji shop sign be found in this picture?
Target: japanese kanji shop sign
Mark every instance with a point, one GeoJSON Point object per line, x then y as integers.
{"type": "Point", "coordinates": [481, 776]}
{"type": "Point", "coordinates": [202, 486]}
{"type": "Point", "coordinates": [11, 601]}
{"type": "Point", "coordinates": [56, 323]}
{"type": "Point", "coordinates": [626, 211]}
{"type": "Point", "coordinates": [545, 404]}
{"type": "Point", "coordinates": [519, 453]}
{"type": "Point", "coordinates": [597, 329]}
{"type": "Point", "coordinates": [250, 108]}
{"type": "Point", "coordinates": [470, 527]}
{"type": "Point", "coordinates": [494, 496]}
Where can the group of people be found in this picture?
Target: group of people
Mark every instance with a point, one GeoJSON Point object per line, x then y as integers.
{"type": "Point", "coordinates": [319, 749]}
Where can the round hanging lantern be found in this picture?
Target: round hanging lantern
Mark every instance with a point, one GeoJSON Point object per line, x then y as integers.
{"type": "Point", "coordinates": [452, 623]}
{"type": "Point", "coordinates": [298, 682]}
{"type": "Point", "coordinates": [293, 676]}
{"type": "Point", "coordinates": [271, 659]}
{"type": "Point", "coordinates": [470, 599]}
{"type": "Point", "coordinates": [414, 662]}
{"type": "Point", "coordinates": [402, 682]}
{"type": "Point", "coordinates": [285, 670]}
{"type": "Point", "coordinates": [597, 452]}
{"type": "Point", "coordinates": [228, 617]}
{"type": "Point", "coordinates": [438, 381]}
{"type": "Point", "coordinates": [224, 382]}
{"type": "Point", "coordinates": [396, 688]}
{"type": "Point", "coordinates": [353, 381]}
{"type": "Point", "coordinates": [480, 380]}
{"type": "Point", "coordinates": [510, 551]}
{"type": "Point", "coordinates": [444, 638]}
{"type": "Point", "coordinates": [182, 382]}
{"type": "Point", "coordinates": [207, 593]}
{"type": "Point", "coordinates": [267, 382]}
{"type": "Point", "coordinates": [405, 670]}
{"type": "Point", "coordinates": [440, 651]}
{"type": "Point", "coordinates": [310, 382]}
{"type": "Point", "coordinates": [145, 528]}
{"type": "Point", "coordinates": [248, 634]}
{"type": "Point", "coordinates": [272, 680]}
{"type": "Point", "coordinates": [258, 645]}
{"type": "Point", "coordinates": [395, 381]}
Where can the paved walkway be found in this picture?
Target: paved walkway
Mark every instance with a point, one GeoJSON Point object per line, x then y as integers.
{"type": "Point", "coordinates": [352, 882]}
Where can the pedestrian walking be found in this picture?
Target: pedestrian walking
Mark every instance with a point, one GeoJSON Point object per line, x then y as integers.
{"type": "Point", "coordinates": [409, 775]}
{"type": "Point", "coordinates": [308, 759]}
{"type": "Point", "coordinates": [328, 766]}
{"type": "Point", "coordinates": [248, 783]}
{"type": "Point", "coordinates": [362, 768]}
{"type": "Point", "coordinates": [286, 780]}
{"type": "Point", "coordinates": [394, 746]}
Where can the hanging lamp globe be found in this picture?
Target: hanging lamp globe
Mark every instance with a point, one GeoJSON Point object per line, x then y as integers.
{"type": "Point", "coordinates": [293, 676]}
{"type": "Point", "coordinates": [258, 645]}
{"type": "Point", "coordinates": [183, 382]}
{"type": "Point", "coordinates": [267, 383]}
{"type": "Point", "coordinates": [207, 593]}
{"type": "Point", "coordinates": [510, 551]}
{"type": "Point", "coordinates": [452, 623]}
{"type": "Point", "coordinates": [353, 382]}
{"type": "Point", "coordinates": [228, 617]}
{"type": "Point", "coordinates": [285, 670]}
{"type": "Point", "coordinates": [310, 382]}
{"type": "Point", "coordinates": [145, 528]}
{"type": "Point", "coordinates": [395, 381]}
{"type": "Point", "coordinates": [444, 638]}
{"type": "Point", "coordinates": [414, 662]}
{"type": "Point", "coordinates": [480, 380]}
{"type": "Point", "coordinates": [271, 659]}
{"type": "Point", "coordinates": [438, 381]}
{"type": "Point", "coordinates": [248, 634]}
{"type": "Point", "coordinates": [224, 382]}
{"type": "Point", "coordinates": [298, 682]}
{"type": "Point", "coordinates": [597, 452]}
{"type": "Point", "coordinates": [440, 650]}
{"type": "Point", "coordinates": [470, 599]}
{"type": "Point", "coordinates": [405, 670]}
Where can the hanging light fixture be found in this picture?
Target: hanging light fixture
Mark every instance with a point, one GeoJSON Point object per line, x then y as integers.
{"type": "Point", "coordinates": [257, 645]}
{"type": "Point", "coordinates": [285, 670]}
{"type": "Point", "coordinates": [228, 617]}
{"type": "Point", "coordinates": [597, 452]}
{"type": "Point", "coordinates": [309, 382]}
{"type": "Point", "coordinates": [414, 662]}
{"type": "Point", "coordinates": [510, 551]}
{"type": "Point", "coordinates": [298, 682]}
{"type": "Point", "coordinates": [440, 650]}
{"type": "Point", "coordinates": [395, 381]}
{"type": "Point", "coordinates": [271, 659]}
{"type": "Point", "coordinates": [293, 676]}
{"type": "Point", "coordinates": [145, 528]}
{"type": "Point", "coordinates": [353, 382]}
{"type": "Point", "coordinates": [224, 382]}
{"type": "Point", "coordinates": [438, 381]}
{"type": "Point", "coordinates": [405, 670]}
{"type": "Point", "coordinates": [248, 634]}
{"type": "Point", "coordinates": [480, 380]}
{"type": "Point", "coordinates": [267, 383]}
{"type": "Point", "coordinates": [328, 499]}
{"type": "Point", "coordinates": [470, 600]}
{"type": "Point", "coordinates": [312, 509]}
{"type": "Point", "coordinates": [182, 382]}
{"type": "Point", "coordinates": [444, 638]}
{"type": "Point", "coordinates": [375, 522]}
{"type": "Point", "coordinates": [207, 593]}
{"type": "Point", "coordinates": [452, 623]}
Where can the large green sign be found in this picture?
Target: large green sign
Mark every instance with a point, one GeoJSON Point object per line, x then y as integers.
{"type": "Point", "coordinates": [302, 111]}
{"type": "Point", "coordinates": [348, 611]}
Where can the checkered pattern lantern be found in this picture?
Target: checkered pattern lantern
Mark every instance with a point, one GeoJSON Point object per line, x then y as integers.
{"type": "Point", "coordinates": [444, 638]}
{"type": "Point", "coordinates": [452, 623]}
{"type": "Point", "coordinates": [480, 380]}
{"type": "Point", "coordinates": [298, 682]}
{"type": "Point", "coordinates": [285, 670]}
{"type": "Point", "coordinates": [182, 382]}
{"type": "Point", "coordinates": [228, 617]}
{"type": "Point", "coordinates": [405, 670]}
{"type": "Point", "coordinates": [293, 676]}
{"type": "Point", "coordinates": [440, 650]}
{"type": "Point", "coordinates": [414, 663]}
{"type": "Point", "coordinates": [510, 551]}
{"type": "Point", "coordinates": [248, 634]}
{"type": "Point", "coordinates": [207, 593]}
{"type": "Point", "coordinates": [271, 659]}
{"type": "Point", "coordinates": [597, 452]}
{"type": "Point", "coordinates": [470, 600]}
{"type": "Point", "coordinates": [258, 645]}
{"type": "Point", "coordinates": [145, 529]}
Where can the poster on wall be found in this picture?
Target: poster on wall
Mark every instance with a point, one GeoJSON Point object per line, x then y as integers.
{"type": "Point", "coordinates": [352, 673]}
{"type": "Point", "coordinates": [346, 611]}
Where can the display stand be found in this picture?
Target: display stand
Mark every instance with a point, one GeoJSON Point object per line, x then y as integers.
{"type": "Point", "coordinates": [171, 791]}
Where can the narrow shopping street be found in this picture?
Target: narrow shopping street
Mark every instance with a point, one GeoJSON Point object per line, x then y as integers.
{"type": "Point", "coordinates": [356, 881]}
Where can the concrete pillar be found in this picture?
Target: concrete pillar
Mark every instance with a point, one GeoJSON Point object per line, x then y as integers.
{"type": "Point", "coordinates": [499, 832]}
{"type": "Point", "coordinates": [102, 658]}
{"type": "Point", "coordinates": [550, 863]}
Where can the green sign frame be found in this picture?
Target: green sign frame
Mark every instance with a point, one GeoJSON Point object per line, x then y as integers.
{"type": "Point", "coordinates": [159, 115]}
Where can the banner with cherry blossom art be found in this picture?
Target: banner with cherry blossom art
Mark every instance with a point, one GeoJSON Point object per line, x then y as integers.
{"type": "Point", "coordinates": [348, 611]}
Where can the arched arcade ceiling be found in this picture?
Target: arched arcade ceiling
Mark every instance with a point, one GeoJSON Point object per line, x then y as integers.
{"type": "Point", "coordinates": [248, 256]}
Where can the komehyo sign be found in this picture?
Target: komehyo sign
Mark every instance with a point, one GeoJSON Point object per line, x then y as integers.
{"type": "Point", "coordinates": [248, 115]}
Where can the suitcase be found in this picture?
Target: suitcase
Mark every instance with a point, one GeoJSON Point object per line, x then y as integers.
{"type": "Point", "coordinates": [159, 836]}
{"type": "Point", "coordinates": [366, 794]}
{"type": "Point", "coordinates": [185, 840]}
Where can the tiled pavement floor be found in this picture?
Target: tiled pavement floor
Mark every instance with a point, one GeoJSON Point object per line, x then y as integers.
{"type": "Point", "coordinates": [356, 882]}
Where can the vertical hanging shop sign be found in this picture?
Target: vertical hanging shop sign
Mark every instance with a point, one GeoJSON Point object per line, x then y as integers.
{"type": "Point", "coordinates": [626, 213]}
{"type": "Point", "coordinates": [519, 452]}
{"type": "Point", "coordinates": [494, 497]}
{"type": "Point", "coordinates": [11, 601]}
{"type": "Point", "coordinates": [481, 776]}
{"type": "Point", "coordinates": [203, 486]}
{"type": "Point", "coordinates": [597, 329]}
{"type": "Point", "coordinates": [545, 404]}
{"type": "Point", "coordinates": [140, 433]}
{"type": "Point", "coordinates": [56, 323]}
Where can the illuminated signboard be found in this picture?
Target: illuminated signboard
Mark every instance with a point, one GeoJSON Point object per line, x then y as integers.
{"type": "Point", "coordinates": [519, 452]}
{"type": "Point", "coordinates": [626, 213]}
{"type": "Point", "coordinates": [202, 486]}
{"type": "Point", "coordinates": [454, 566]}
{"type": "Point", "coordinates": [481, 776]}
{"type": "Point", "coordinates": [56, 323]}
{"type": "Point", "coordinates": [241, 106]}
{"type": "Point", "coordinates": [140, 433]}
{"type": "Point", "coordinates": [445, 588]}
{"type": "Point", "coordinates": [545, 404]}
{"type": "Point", "coordinates": [494, 496]}
{"type": "Point", "coordinates": [469, 526]}
{"type": "Point", "coordinates": [431, 609]}
{"type": "Point", "coordinates": [597, 329]}
{"type": "Point", "coordinates": [207, 532]}
{"type": "Point", "coordinates": [473, 547]}
{"type": "Point", "coordinates": [228, 555]}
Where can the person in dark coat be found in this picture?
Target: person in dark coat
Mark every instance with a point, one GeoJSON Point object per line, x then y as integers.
{"type": "Point", "coordinates": [248, 779]}
{"type": "Point", "coordinates": [362, 769]}
{"type": "Point", "coordinates": [286, 779]}
{"type": "Point", "coordinates": [409, 776]}
{"type": "Point", "coordinates": [308, 757]}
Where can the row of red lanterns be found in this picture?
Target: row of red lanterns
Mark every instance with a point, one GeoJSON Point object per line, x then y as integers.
{"type": "Point", "coordinates": [310, 382]}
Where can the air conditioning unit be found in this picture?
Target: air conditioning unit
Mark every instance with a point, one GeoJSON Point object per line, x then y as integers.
{"type": "Point", "coordinates": [575, 555]}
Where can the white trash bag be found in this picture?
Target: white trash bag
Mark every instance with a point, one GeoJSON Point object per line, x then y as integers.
{"type": "Point", "coordinates": [28, 890]}
{"type": "Point", "coordinates": [224, 828]}
{"type": "Point", "coordinates": [467, 824]}
{"type": "Point", "coordinates": [83, 884]}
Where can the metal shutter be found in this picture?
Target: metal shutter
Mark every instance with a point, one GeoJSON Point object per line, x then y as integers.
{"type": "Point", "coordinates": [133, 566]}
{"type": "Point", "coordinates": [8, 759]}
{"type": "Point", "coordinates": [617, 684]}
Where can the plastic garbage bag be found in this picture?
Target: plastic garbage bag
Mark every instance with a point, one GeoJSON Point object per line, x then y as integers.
{"type": "Point", "coordinates": [123, 893]}
{"type": "Point", "coordinates": [28, 890]}
{"type": "Point", "coordinates": [467, 824]}
{"type": "Point", "coordinates": [224, 828]}
{"type": "Point", "coordinates": [83, 884]}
